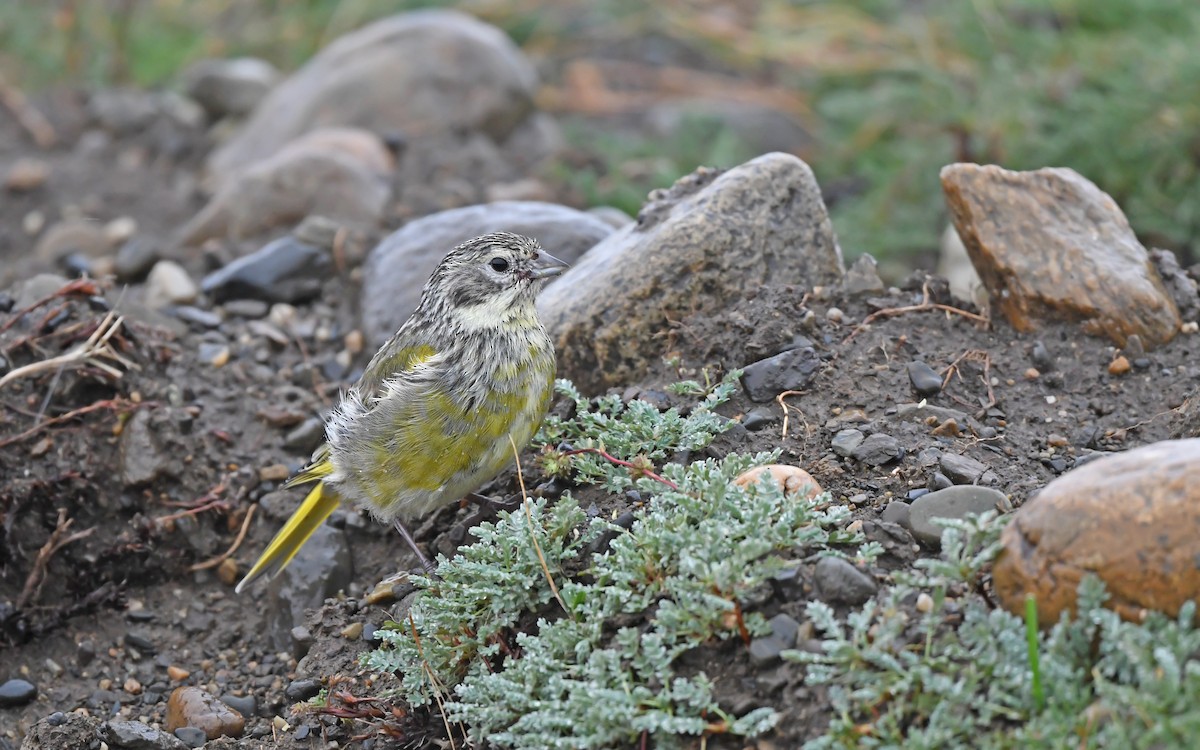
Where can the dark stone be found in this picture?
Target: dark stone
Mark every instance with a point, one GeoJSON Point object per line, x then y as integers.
{"type": "Point", "coordinates": [787, 371]}
{"type": "Point", "coordinates": [838, 581]}
{"type": "Point", "coordinates": [302, 690]}
{"type": "Point", "coordinates": [140, 642]}
{"type": "Point", "coordinates": [924, 378]}
{"type": "Point", "coordinates": [757, 419]}
{"type": "Point", "coordinates": [320, 569]}
{"type": "Point", "coordinates": [191, 736]}
{"type": "Point", "coordinates": [246, 705]}
{"type": "Point", "coordinates": [134, 735]}
{"type": "Point", "coordinates": [767, 648]}
{"type": "Point", "coordinates": [878, 449]}
{"type": "Point", "coordinates": [17, 692]}
{"type": "Point", "coordinates": [896, 512]}
{"type": "Point", "coordinates": [306, 436]}
{"type": "Point", "coordinates": [962, 469]}
{"type": "Point", "coordinates": [846, 441]}
{"type": "Point", "coordinates": [1041, 357]}
{"type": "Point", "coordinates": [952, 502]}
{"type": "Point", "coordinates": [285, 270]}
{"type": "Point", "coordinates": [135, 259]}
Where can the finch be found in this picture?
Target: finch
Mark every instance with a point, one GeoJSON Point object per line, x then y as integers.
{"type": "Point", "coordinates": [440, 405]}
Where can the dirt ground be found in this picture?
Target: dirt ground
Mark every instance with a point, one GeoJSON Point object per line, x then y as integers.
{"type": "Point", "coordinates": [97, 624]}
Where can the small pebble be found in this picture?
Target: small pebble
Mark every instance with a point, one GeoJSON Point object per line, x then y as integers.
{"type": "Point", "coordinates": [177, 674]}
{"type": "Point", "coordinates": [1119, 366]}
{"type": "Point", "coordinates": [924, 378]}
{"type": "Point", "coordinates": [132, 686]}
{"type": "Point", "coordinates": [924, 603]}
{"type": "Point", "coordinates": [17, 692]}
{"type": "Point", "coordinates": [227, 571]}
{"type": "Point", "coordinates": [302, 690]}
{"type": "Point", "coordinates": [191, 736]}
{"type": "Point", "coordinates": [1032, 373]}
{"type": "Point", "coordinates": [353, 631]}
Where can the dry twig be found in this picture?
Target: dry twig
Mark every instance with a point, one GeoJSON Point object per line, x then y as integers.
{"type": "Point", "coordinates": [108, 403]}
{"type": "Point", "coordinates": [57, 541]}
{"type": "Point", "coordinates": [925, 306]}
{"type": "Point", "coordinates": [29, 117]}
{"type": "Point", "coordinates": [88, 353]}
{"type": "Point", "coordinates": [214, 562]}
{"type": "Point", "coordinates": [529, 519]}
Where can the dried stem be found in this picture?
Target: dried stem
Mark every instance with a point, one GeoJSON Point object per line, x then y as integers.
{"type": "Point", "coordinates": [29, 117]}
{"type": "Point", "coordinates": [214, 562]}
{"type": "Point", "coordinates": [57, 541]}
{"type": "Point", "coordinates": [925, 306]}
{"type": "Point", "coordinates": [529, 518]}
{"type": "Point", "coordinates": [87, 353]}
{"type": "Point", "coordinates": [110, 403]}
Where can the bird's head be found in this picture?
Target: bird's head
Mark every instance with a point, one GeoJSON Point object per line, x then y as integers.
{"type": "Point", "coordinates": [492, 279]}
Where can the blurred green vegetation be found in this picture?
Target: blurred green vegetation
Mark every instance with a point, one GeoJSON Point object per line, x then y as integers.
{"type": "Point", "coordinates": [891, 90]}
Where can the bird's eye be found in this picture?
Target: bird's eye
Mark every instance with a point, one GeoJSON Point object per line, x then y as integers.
{"type": "Point", "coordinates": [499, 265]}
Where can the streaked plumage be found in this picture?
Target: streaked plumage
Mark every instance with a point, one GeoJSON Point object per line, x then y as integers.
{"type": "Point", "coordinates": [431, 417]}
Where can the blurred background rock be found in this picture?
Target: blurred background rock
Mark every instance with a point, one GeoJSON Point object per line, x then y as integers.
{"type": "Point", "coordinates": [876, 95]}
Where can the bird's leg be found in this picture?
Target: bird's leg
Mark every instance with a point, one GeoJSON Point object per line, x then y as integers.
{"type": "Point", "coordinates": [412, 543]}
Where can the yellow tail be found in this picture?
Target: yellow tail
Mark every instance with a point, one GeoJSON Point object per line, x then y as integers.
{"type": "Point", "coordinates": [321, 501]}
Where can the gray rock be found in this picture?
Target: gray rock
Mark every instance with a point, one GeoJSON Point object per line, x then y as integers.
{"type": "Point", "coordinates": [73, 237]}
{"type": "Point", "coordinates": [706, 242]}
{"type": "Point", "coordinates": [246, 705]}
{"type": "Point", "coordinates": [952, 502]}
{"type": "Point", "coordinates": [787, 371]}
{"type": "Point", "coordinates": [251, 309]}
{"type": "Point", "coordinates": [343, 174]}
{"type": "Point", "coordinates": [837, 581]}
{"type": "Point", "coordinates": [846, 441]}
{"type": "Point", "coordinates": [392, 76]}
{"type": "Point", "coordinates": [1042, 357]}
{"type": "Point", "coordinates": [962, 469]}
{"type": "Point", "coordinates": [17, 692]}
{"type": "Point", "coordinates": [122, 111]}
{"type": "Point", "coordinates": [862, 277]}
{"type": "Point", "coordinates": [1179, 285]}
{"type": "Point", "coordinates": [191, 736]}
{"type": "Point", "coordinates": [134, 735]}
{"type": "Point", "coordinates": [398, 268]}
{"type": "Point", "coordinates": [306, 436]}
{"type": "Point", "coordinates": [285, 270]}
{"type": "Point", "coordinates": [229, 87]}
{"type": "Point", "coordinates": [766, 649]}
{"type": "Point", "coordinates": [759, 418]}
{"type": "Point", "coordinates": [135, 259]}
{"type": "Point", "coordinates": [878, 449]}
{"type": "Point", "coordinates": [897, 512]}
{"type": "Point", "coordinates": [302, 690]}
{"type": "Point", "coordinates": [169, 284]}
{"type": "Point", "coordinates": [142, 457]}
{"type": "Point", "coordinates": [25, 293]}
{"type": "Point", "coordinates": [320, 569]}
{"type": "Point", "coordinates": [924, 378]}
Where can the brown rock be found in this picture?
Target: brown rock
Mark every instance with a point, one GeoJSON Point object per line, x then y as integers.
{"type": "Point", "coordinates": [1119, 366]}
{"type": "Point", "coordinates": [1132, 519]}
{"type": "Point", "coordinates": [1050, 245]}
{"type": "Point", "coordinates": [706, 242]}
{"type": "Point", "coordinates": [420, 74]}
{"type": "Point", "coordinates": [793, 479]}
{"type": "Point", "coordinates": [26, 174]}
{"type": "Point", "coordinates": [339, 173]}
{"type": "Point", "coordinates": [67, 237]}
{"type": "Point", "coordinates": [192, 707]}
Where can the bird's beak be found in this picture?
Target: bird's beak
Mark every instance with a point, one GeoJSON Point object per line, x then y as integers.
{"type": "Point", "coordinates": [546, 266]}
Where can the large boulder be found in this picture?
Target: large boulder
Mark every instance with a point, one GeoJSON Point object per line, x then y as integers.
{"type": "Point", "coordinates": [418, 74]}
{"type": "Point", "coordinates": [397, 269]}
{"type": "Point", "coordinates": [1132, 519]}
{"type": "Point", "coordinates": [1050, 245]}
{"type": "Point", "coordinates": [699, 246]}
